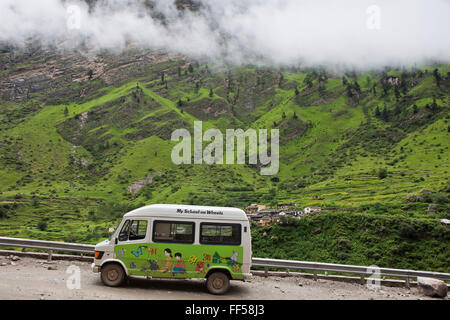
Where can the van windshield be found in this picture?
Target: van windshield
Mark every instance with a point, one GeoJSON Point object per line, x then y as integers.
{"type": "Point", "coordinates": [133, 230]}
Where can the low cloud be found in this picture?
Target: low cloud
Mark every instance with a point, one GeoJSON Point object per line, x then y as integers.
{"type": "Point", "coordinates": [346, 33]}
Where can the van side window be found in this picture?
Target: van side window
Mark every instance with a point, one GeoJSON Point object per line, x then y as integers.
{"type": "Point", "coordinates": [173, 231]}
{"type": "Point", "coordinates": [133, 230]}
{"type": "Point", "coordinates": [220, 234]}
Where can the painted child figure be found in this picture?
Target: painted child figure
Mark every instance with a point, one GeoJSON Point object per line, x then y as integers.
{"type": "Point", "coordinates": [179, 267]}
{"type": "Point", "coordinates": [167, 260]}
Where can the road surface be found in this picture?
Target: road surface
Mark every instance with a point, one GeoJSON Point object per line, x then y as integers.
{"type": "Point", "coordinates": [31, 279]}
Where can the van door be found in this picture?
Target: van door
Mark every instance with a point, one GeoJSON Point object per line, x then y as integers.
{"type": "Point", "coordinates": [132, 246]}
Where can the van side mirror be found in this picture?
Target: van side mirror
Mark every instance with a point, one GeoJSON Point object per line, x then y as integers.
{"type": "Point", "coordinates": [116, 241]}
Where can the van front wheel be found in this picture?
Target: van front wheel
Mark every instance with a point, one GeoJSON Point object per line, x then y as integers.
{"type": "Point", "coordinates": [113, 275]}
{"type": "Point", "coordinates": [218, 283]}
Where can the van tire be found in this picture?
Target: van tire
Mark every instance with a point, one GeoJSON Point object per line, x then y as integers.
{"type": "Point", "coordinates": [218, 283]}
{"type": "Point", "coordinates": [113, 275]}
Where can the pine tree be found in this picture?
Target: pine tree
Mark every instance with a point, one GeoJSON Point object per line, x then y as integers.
{"type": "Point", "coordinates": [397, 109]}
{"type": "Point", "coordinates": [385, 114]}
{"type": "Point", "coordinates": [434, 105]}
{"type": "Point", "coordinates": [357, 87]}
{"type": "Point", "coordinates": [349, 91]}
{"type": "Point", "coordinates": [437, 77]}
{"type": "Point", "coordinates": [281, 80]}
{"type": "Point", "coordinates": [397, 93]}
{"type": "Point", "coordinates": [377, 112]}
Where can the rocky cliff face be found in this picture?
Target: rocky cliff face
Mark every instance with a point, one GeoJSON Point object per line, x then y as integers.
{"type": "Point", "coordinates": [27, 72]}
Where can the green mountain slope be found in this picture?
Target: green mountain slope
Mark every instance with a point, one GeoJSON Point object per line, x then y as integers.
{"type": "Point", "coordinates": [75, 158]}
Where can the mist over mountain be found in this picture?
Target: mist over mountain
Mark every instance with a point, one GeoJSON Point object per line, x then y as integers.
{"type": "Point", "coordinates": [359, 34]}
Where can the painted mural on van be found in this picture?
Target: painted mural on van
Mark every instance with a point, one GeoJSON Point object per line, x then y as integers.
{"type": "Point", "coordinates": [179, 260]}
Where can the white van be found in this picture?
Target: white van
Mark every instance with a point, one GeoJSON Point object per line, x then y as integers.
{"type": "Point", "coordinates": [178, 242]}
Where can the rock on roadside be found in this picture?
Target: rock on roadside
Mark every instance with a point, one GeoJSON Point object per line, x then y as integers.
{"type": "Point", "coordinates": [432, 287]}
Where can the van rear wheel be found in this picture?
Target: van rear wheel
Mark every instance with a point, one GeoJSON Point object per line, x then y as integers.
{"type": "Point", "coordinates": [218, 283]}
{"type": "Point", "coordinates": [113, 275]}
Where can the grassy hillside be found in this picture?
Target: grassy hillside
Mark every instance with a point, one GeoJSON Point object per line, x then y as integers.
{"type": "Point", "coordinates": [359, 239]}
{"type": "Point", "coordinates": [355, 144]}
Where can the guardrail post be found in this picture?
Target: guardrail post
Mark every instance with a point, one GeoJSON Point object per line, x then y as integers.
{"type": "Point", "coordinates": [266, 272]}
{"type": "Point", "coordinates": [407, 282]}
{"type": "Point", "coordinates": [50, 254]}
{"type": "Point", "coordinates": [362, 279]}
{"type": "Point", "coordinates": [315, 275]}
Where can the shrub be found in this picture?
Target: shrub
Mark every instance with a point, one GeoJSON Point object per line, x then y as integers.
{"type": "Point", "coordinates": [42, 225]}
{"type": "Point", "coordinates": [382, 173]}
{"type": "Point", "coordinates": [2, 213]}
{"type": "Point", "coordinates": [289, 221]}
{"type": "Point", "coordinates": [408, 230]}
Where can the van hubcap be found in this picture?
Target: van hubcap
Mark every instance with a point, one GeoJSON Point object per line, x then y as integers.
{"type": "Point", "coordinates": [112, 275]}
{"type": "Point", "coordinates": [217, 283]}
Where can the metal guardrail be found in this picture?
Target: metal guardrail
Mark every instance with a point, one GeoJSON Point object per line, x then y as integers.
{"type": "Point", "coordinates": [316, 267]}
{"type": "Point", "coordinates": [350, 269]}
{"type": "Point", "coordinates": [48, 246]}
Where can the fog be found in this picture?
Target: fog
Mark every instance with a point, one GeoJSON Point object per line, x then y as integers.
{"type": "Point", "coordinates": [345, 33]}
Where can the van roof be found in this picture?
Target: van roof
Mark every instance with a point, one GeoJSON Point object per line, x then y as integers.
{"type": "Point", "coordinates": [192, 212]}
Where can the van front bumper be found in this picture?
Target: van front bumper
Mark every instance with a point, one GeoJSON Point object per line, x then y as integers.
{"type": "Point", "coordinates": [95, 269]}
{"type": "Point", "coordinates": [246, 276]}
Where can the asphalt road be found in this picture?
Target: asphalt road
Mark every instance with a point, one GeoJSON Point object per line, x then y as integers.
{"type": "Point", "coordinates": [31, 279]}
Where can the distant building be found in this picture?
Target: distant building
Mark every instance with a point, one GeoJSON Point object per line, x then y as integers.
{"type": "Point", "coordinates": [264, 220]}
{"type": "Point", "coordinates": [275, 219]}
{"type": "Point", "coordinates": [393, 80]}
{"type": "Point", "coordinates": [298, 213]}
{"type": "Point", "coordinates": [254, 208]}
{"type": "Point", "coordinates": [261, 207]}
{"type": "Point", "coordinates": [251, 209]}
{"type": "Point", "coordinates": [310, 210]}
{"type": "Point", "coordinates": [285, 206]}
{"type": "Point", "coordinates": [293, 213]}
{"type": "Point", "coordinates": [270, 211]}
